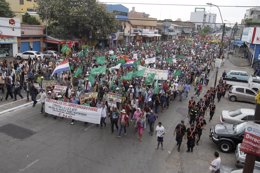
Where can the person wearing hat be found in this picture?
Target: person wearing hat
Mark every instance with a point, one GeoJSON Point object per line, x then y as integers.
{"type": "Point", "coordinates": [123, 121]}
{"type": "Point", "coordinates": [179, 131]}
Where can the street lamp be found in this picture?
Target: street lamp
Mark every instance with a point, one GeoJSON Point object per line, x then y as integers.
{"type": "Point", "coordinates": [222, 38]}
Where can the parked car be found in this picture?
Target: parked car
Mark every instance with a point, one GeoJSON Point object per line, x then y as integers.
{"type": "Point", "coordinates": [51, 53]}
{"type": "Point", "coordinates": [237, 116]}
{"type": "Point", "coordinates": [237, 75]}
{"type": "Point", "coordinates": [241, 157]}
{"type": "Point", "coordinates": [254, 83]}
{"type": "Point", "coordinates": [227, 136]}
{"type": "Point", "coordinates": [240, 93]}
{"type": "Point", "coordinates": [29, 54]}
{"type": "Point", "coordinates": [241, 171]}
{"type": "Point", "coordinates": [3, 53]}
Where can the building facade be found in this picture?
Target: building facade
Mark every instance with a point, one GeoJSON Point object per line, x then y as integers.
{"type": "Point", "coordinates": [10, 29]}
{"type": "Point", "coordinates": [32, 38]}
{"type": "Point", "coordinates": [201, 19]}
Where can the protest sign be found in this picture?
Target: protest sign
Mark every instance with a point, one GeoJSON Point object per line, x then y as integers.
{"type": "Point", "coordinates": [88, 96]}
{"type": "Point", "coordinates": [251, 141]}
{"type": "Point", "coordinates": [159, 74]}
{"type": "Point", "coordinates": [59, 89]}
{"type": "Point", "coordinates": [73, 111]}
{"type": "Point", "coordinates": [150, 60]}
{"type": "Point", "coordinates": [113, 97]}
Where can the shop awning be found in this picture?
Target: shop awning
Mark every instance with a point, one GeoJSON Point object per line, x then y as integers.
{"type": "Point", "coordinates": [238, 43]}
{"type": "Point", "coordinates": [53, 40]}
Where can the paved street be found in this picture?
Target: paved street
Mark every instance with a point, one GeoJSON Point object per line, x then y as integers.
{"type": "Point", "coordinates": [31, 142]}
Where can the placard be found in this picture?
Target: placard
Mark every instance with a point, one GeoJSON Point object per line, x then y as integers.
{"type": "Point", "coordinates": [73, 111]}
{"type": "Point", "coordinates": [159, 74]}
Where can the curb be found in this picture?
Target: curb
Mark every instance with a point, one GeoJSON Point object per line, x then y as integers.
{"type": "Point", "coordinates": [17, 108]}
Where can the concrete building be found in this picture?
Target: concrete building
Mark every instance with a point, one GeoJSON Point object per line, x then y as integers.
{"type": "Point", "coordinates": [252, 17]}
{"type": "Point", "coordinates": [176, 29]}
{"type": "Point", "coordinates": [10, 29]}
{"type": "Point", "coordinates": [32, 38]}
{"type": "Point", "coordinates": [143, 27]}
{"type": "Point", "coordinates": [201, 18]}
{"type": "Point", "coordinates": [19, 7]}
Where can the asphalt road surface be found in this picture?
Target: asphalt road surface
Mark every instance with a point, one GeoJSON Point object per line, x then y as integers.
{"type": "Point", "coordinates": [33, 143]}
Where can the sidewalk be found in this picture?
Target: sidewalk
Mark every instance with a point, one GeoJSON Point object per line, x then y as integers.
{"type": "Point", "coordinates": [238, 60]}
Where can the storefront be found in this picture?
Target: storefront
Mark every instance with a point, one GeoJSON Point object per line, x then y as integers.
{"type": "Point", "coordinates": [8, 45]}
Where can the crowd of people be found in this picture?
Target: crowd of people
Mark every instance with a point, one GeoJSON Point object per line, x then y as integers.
{"type": "Point", "coordinates": [116, 71]}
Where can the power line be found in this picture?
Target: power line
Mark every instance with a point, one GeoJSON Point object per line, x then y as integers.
{"type": "Point", "coordinates": [184, 5]}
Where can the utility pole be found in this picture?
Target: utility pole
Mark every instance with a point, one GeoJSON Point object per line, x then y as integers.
{"type": "Point", "coordinates": [250, 159]}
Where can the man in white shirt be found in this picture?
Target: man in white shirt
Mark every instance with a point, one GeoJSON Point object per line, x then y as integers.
{"type": "Point", "coordinates": [160, 131]}
{"type": "Point", "coordinates": [215, 164]}
{"type": "Point", "coordinates": [42, 99]}
{"type": "Point", "coordinates": [103, 115]}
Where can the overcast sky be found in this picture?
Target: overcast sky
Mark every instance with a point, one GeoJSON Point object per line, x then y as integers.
{"type": "Point", "coordinates": [174, 12]}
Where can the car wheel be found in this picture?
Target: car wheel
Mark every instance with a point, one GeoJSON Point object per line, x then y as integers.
{"type": "Point", "coordinates": [233, 98]}
{"type": "Point", "coordinates": [225, 146]}
{"type": "Point", "coordinates": [18, 57]}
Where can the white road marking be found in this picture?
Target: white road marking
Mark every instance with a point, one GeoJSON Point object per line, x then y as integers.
{"type": "Point", "coordinates": [12, 102]}
{"type": "Point", "coordinates": [29, 165]}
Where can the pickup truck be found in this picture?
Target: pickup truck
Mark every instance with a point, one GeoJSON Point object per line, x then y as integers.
{"type": "Point", "coordinates": [253, 82]}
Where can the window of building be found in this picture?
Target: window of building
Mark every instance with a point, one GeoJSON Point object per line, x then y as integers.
{"type": "Point", "coordinates": [21, 2]}
{"type": "Point", "coordinates": [29, 0]}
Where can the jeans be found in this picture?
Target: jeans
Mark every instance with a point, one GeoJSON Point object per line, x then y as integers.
{"type": "Point", "coordinates": [114, 123]}
{"type": "Point", "coordinates": [103, 121]}
{"type": "Point", "coordinates": [122, 127]}
{"type": "Point", "coordinates": [151, 127]}
{"type": "Point", "coordinates": [42, 108]}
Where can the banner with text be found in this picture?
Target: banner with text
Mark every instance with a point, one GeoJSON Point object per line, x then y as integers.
{"type": "Point", "coordinates": [251, 141]}
{"type": "Point", "coordinates": [159, 74]}
{"type": "Point", "coordinates": [73, 111]}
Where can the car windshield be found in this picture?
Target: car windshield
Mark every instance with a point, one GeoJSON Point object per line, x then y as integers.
{"type": "Point", "coordinates": [38, 53]}
{"type": "Point", "coordinates": [234, 113]}
{"type": "Point", "coordinates": [239, 128]}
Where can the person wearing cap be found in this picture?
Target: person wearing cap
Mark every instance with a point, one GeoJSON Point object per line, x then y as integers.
{"type": "Point", "coordinates": [123, 121]}
{"type": "Point", "coordinates": [179, 131]}
{"type": "Point", "coordinates": [43, 96]}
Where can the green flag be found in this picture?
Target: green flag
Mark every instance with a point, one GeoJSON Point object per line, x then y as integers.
{"type": "Point", "coordinates": [78, 72]}
{"type": "Point", "coordinates": [128, 76]}
{"type": "Point", "coordinates": [177, 73]}
{"type": "Point", "coordinates": [149, 79]}
{"type": "Point", "coordinates": [81, 54]}
{"type": "Point", "coordinates": [136, 63]}
{"type": "Point", "coordinates": [65, 49]}
{"type": "Point", "coordinates": [101, 60]}
{"type": "Point", "coordinates": [180, 56]}
{"type": "Point", "coordinates": [113, 57]}
{"type": "Point", "coordinates": [122, 61]}
{"type": "Point", "coordinates": [156, 87]}
{"type": "Point", "coordinates": [98, 70]}
{"type": "Point", "coordinates": [169, 60]}
{"type": "Point", "coordinates": [139, 73]}
{"type": "Point", "coordinates": [91, 79]}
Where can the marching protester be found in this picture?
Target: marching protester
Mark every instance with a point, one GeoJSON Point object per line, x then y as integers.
{"type": "Point", "coordinates": [180, 131]}
{"type": "Point", "coordinates": [191, 136]}
{"type": "Point", "coordinates": [43, 96]}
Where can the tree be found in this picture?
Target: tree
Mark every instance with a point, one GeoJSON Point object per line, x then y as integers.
{"type": "Point", "coordinates": [76, 18]}
{"type": "Point", "coordinates": [5, 10]}
{"type": "Point", "coordinates": [30, 20]}
{"type": "Point", "coordinates": [205, 31]}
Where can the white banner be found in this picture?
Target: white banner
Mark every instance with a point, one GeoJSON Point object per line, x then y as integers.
{"type": "Point", "coordinates": [257, 36]}
{"type": "Point", "coordinates": [150, 60]}
{"type": "Point", "coordinates": [73, 111]}
{"type": "Point", "coordinates": [159, 74]}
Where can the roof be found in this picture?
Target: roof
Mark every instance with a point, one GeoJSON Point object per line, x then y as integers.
{"type": "Point", "coordinates": [117, 7]}
{"type": "Point", "coordinates": [184, 24]}
{"type": "Point", "coordinates": [143, 21]}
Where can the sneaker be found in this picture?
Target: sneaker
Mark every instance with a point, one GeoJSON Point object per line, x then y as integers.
{"type": "Point", "coordinates": [72, 123]}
